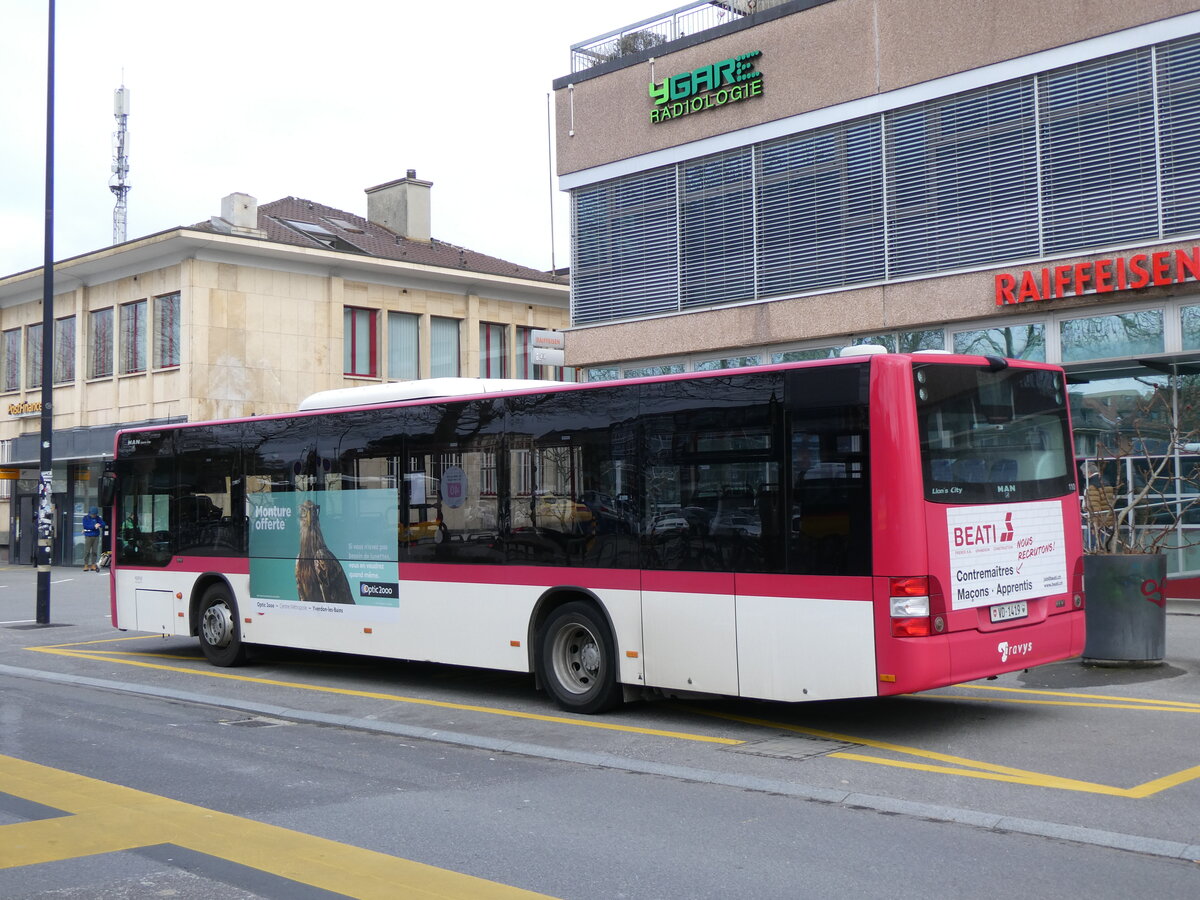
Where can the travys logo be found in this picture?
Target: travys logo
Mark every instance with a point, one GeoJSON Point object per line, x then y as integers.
{"type": "Point", "coordinates": [1006, 649]}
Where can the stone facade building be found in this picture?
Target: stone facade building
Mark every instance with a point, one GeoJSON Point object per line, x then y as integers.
{"type": "Point", "coordinates": [245, 315]}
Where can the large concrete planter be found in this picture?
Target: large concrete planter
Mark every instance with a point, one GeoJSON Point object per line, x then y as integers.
{"type": "Point", "coordinates": [1126, 611]}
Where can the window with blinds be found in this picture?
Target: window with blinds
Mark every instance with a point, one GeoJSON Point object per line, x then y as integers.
{"type": "Point", "coordinates": [1066, 161]}
{"type": "Point", "coordinates": [444, 360]}
{"type": "Point", "coordinates": [1098, 159]}
{"type": "Point", "coordinates": [625, 257]}
{"type": "Point", "coordinates": [717, 234]}
{"type": "Point", "coordinates": [64, 350]}
{"type": "Point", "coordinates": [1179, 115]}
{"type": "Point", "coordinates": [166, 331]}
{"type": "Point", "coordinates": [133, 337]}
{"type": "Point", "coordinates": [404, 335]}
{"type": "Point", "coordinates": [820, 209]}
{"type": "Point", "coordinates": [11, 364]}
{"type": "Point", "coordinates": [962, 180]}
{"type": "Point", "coordinates": [33, 356]}
{"type": "Point", "coordinates": [100, 343]}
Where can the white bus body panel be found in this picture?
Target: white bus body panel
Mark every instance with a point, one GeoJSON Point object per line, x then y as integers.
{"type": "Point", "coordinates": [794, 648]}
{"type": "Point", "coordinates": [455, 623]}
{"type": "Point", "coordinates": [690, 641]}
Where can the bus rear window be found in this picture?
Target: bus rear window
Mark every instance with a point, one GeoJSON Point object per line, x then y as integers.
{"type": "Point", "coordinates": [989, 436]}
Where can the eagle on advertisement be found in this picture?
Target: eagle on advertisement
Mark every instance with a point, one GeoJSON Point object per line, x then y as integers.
{"type": "Point", "coordinates": [319, 576]}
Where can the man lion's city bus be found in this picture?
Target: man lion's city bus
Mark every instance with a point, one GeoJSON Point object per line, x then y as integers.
{"type": "Point", "coordinates": [868, 525]}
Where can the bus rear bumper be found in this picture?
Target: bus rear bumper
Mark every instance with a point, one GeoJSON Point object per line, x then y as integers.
{"type": "Point", "coordinates": [922, 663]}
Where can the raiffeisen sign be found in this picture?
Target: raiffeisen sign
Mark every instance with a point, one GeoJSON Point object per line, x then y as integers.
{"type": "Point", "coordinates": [708, 87]}
{"type": "Point", "coordinates": [1101, 276]}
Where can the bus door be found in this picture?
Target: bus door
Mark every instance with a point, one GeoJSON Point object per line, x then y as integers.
{"type": "Point", "coordinates": [712, 511]}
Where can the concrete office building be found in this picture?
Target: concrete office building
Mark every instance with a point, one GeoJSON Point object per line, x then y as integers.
{"type": "Point", "coordinates": [244, 315]}
{"type": "Point", "coordinates": [755, 183]}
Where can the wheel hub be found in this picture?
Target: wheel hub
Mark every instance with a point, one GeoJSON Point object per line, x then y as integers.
{"type": "Point", "coordinates": [216, 625]}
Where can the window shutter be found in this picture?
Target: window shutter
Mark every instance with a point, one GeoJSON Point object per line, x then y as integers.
{"type": "Point", "coordinates": [962, 180]}
{"type": "Point", "coordinates": [1179, 121]}
{"type": "Point", "coordinates": [626, 255]}
{"type": "Point", "coordinates": [717, 237]}
{"type": "Point", "coordinates": [1098, 160]}
{"type": "Point", "coordinates": [820, 209]}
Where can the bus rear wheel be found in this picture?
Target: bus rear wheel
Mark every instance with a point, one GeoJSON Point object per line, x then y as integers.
{"type": "Point", "coordinates": [220, 636]}
{"type": "Point", "coordinates": [578, 660]}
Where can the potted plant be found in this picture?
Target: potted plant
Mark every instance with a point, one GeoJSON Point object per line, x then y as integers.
{"type": "Point", "coordinates": [1137, 491]}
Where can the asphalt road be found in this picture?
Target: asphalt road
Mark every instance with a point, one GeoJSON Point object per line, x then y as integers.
{"type": "Point", "coordinates": [1062, 780]}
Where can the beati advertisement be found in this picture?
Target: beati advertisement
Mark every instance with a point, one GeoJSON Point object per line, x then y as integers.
{"type": "Point", "coordinates": [1005, 552]}
{"type": "Point", "coordinates": [326, 552]}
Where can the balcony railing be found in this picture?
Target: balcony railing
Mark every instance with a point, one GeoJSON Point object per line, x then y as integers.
{"type": "Point", "coordinates": [649, 33]}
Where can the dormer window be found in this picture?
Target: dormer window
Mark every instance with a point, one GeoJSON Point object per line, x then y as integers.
{"type": "Point", "coordinates": [321, 235]}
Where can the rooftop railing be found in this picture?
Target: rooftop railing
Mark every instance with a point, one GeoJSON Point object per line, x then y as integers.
{"type": "Point", "coordinates": [660, 29]}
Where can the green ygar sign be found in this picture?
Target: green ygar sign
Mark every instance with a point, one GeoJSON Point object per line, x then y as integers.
{"type": "Point", "coordinates": [708, 87]}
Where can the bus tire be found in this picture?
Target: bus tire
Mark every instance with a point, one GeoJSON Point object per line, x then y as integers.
{"type": "Point", "coordinates": [578, 660]}
{"type": "Point", "coordinates": [218, 629]}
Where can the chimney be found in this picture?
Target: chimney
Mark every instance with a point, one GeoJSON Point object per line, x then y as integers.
{"type": "Point", "coordinates": [402, 206]}
{"type": "Point", "coordinates": [239, 216]}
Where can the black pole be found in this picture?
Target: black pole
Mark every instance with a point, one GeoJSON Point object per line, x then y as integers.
{"type": "Point", "coordinates": [45, 477]}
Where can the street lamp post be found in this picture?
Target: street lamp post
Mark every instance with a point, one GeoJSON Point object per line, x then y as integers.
{"type": "Point", "coordinates": [45, 527]}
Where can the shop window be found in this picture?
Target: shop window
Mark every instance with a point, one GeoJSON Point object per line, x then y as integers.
{"type": "Point", "coordinates": [603, 374]}
{"type": "Point", "coordinates": [1191, 327]}
{"type": "Point", "coordinates": [133, 337]}
{"type": "Point", "coordinates": [788, 356]}
{"type": "Point", "coordinates": [404, 333]}
{"type": "Point", "coordinates": [100, 344]}
{"type": "Point", "coordinates": [729, 362]}
{"type": "Point", "coordinates": [651, 371]}
{"type": "Point", "coordinates": [1130, 334]}
{"type": "Point", "coordinates": [912, 341]}
{"type": "Point", "coordinates": [166, 331]}
{"type": "Point", "coordinates": [359, 342]}
{"type": "Point", "coordinates": [444, 353]}
{"type": "Point", "coordinates": [1015, 342]}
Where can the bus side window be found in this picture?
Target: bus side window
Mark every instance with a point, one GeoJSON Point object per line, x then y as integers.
{"type": "Point", "coordinates": [830, 514]}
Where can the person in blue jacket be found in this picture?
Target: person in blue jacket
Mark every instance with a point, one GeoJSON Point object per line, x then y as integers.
{"type": "Point", "coordinates": [93, 528]}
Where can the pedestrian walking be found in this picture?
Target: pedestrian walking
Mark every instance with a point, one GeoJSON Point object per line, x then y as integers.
{"type": "Point", "coordinates": [93, 528]}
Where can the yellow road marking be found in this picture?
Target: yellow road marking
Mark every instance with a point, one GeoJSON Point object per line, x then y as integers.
{"type": "Point", "coordinates": [105, 818]}
{"type": "Point", "coordinates": [968, 768]}
{"type": "Point", "coordinates": [1134, 701]}
{"type": "Point", "coordinates": [1142, 705]}
{"type": "Point", "coordinates": [71, 650]}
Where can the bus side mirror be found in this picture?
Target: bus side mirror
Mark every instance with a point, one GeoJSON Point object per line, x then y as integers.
{"type": "Point", "coordinates": [108, 489]}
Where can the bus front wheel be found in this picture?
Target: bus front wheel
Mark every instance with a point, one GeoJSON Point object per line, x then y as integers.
{"type": "Point", "coordinates": [220, 636]}
{"type": "Point", "coordinates": [578, 659]}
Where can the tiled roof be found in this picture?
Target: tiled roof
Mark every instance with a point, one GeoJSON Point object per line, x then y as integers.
{"type": "Point", "coordinates": [376, 240]}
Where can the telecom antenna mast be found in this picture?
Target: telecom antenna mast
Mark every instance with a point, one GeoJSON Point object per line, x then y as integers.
{"type": "Point", "coordinates": [120, 166]}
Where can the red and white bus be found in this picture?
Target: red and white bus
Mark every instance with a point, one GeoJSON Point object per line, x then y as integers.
{"type": "Point", "coordinates": [861, 526]}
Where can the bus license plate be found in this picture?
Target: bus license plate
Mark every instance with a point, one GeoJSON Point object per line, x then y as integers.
{"type": "Point", "coordinates": [1005, 611]}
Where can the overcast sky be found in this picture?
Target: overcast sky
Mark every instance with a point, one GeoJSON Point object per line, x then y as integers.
{"type": "Point", "coordinates": [287, 97]}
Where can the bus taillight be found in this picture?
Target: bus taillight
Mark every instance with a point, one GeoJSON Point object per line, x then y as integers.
{"type": "Point", "coordinates": [910, 606]}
